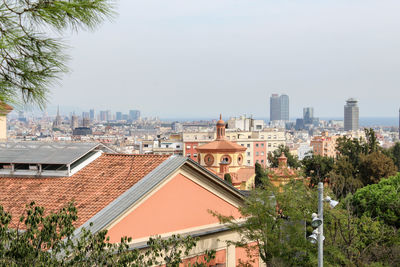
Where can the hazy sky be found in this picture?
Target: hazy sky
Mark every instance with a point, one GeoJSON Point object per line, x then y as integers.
{"type": "Point", "coordinates": [186, 58]}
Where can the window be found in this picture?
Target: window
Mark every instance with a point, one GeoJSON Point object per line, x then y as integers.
{"type": "Point", "coordinates": [146, 145]}
{"type": "Point", "coordinates": [262, 153]}
{"type": "Point", "coordinates": [195, 155]}
{"type": "Point", "coordinates": [269, 137]}
{"type": "Point", "coordinates": [262, 145]}
{"type": "Point", "coordinates": [167, 146]}
{"type": "Point", "coordinates": [256, 153]}
{"type": "Point", "coordinates": [248, 162]}
{"type": "Point", "coordinates": [249, 136]}
{"type": "Point", "coordinates": [242, 144]}
{"type": "Point", "coordinates": [188, 155]}
{"type": "Point", "coordinates": [274, 136]}
{"type": "Point", "coordinates": [256, 145]}
{"type": "Point", "coordinates": [194, 147]}
{"type": "Point", "coordinates": [262, 136]}
{"type": "Point", "coordinates": [257, 161]}
{"type": "Point", "coordinates": [248, 153]}
{"type": "Point", "coordinates": [195, 137]}
{"type": "Point", "coordinates": [262, 161]}
{"type": "Point", "coordinates": [248, 145]}
{"type": "Point", "coordinates": [269, 144]}
{"type": "Point", "coordinates": [178, 146]}
{"type": "Point", "coordinates": [187, 147]}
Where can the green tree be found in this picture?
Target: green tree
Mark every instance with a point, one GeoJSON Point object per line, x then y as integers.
{"type": "Point", "coordinates": [394, 153]}
{"type": "Point", "coordinates": [228, 178]}
{"type": "Point", "coordinates": [380, 201]}
{"type": "Point", "coordinates": [344, 178]}
{"type": "Point", "coordinates": [292, 161]}
{"type": "Point", "coordinates": [31, 59]}
{"type": "Point", "coordinates": [275, 221]}
{"type": "Point", "coordinates": [358, 241]}
{"type": "Point", "coordinates": [261, 175]}
{"type": "Point", "coordinates": [375, 166]}
{"type": "Point", "coordinates": [317, 167]}
{"type": "Point", "coordinates": [47, 240]}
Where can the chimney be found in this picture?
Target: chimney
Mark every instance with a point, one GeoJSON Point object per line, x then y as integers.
{"type": "Point", "coordinates": [4, 110]}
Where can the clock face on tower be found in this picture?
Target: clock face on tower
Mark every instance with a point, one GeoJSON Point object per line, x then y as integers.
{"type": "Point", "coordinates": [209, 159]}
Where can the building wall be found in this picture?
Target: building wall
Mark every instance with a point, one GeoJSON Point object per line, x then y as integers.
{"type": "Point", "coordinates": [178, 205]}
{"type": "Point", "coordinates": [3, 127]}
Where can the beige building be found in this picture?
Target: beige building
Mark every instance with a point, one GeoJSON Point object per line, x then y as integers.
{"type": "Point", "coordinates": [4, 110]}
{"type": "Point", "coordinates": [257, 143]}
{"type": "Point", "coordinates": [324, 145]}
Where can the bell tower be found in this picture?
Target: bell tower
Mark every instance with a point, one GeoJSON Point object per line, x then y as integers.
{"type": "Point", "coordinates": [220, 129]}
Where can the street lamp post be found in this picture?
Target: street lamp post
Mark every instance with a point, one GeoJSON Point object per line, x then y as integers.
{"type": "Point", "coordinates": [321, 227]}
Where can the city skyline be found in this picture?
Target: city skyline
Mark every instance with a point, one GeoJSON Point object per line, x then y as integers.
{"type": "Point", "coordinates": [236, 54]}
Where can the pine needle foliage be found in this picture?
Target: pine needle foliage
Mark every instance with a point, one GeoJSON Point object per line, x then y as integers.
{"type": "Point", "coordinates": [32, 59]}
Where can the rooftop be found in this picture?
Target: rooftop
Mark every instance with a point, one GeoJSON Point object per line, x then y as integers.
{"type": "Point", "coordinates": [91, 189]}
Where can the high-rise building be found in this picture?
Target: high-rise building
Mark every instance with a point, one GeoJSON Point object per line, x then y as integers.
{"type": "Point", "coordinates": [279, 107]}
{"type": "Point", "coordinates": [351, 115]}
{"type": "Point", "coordinates": [308, 115]}
{"type": "Point", "coordinates": [284, 99]}
{"type": "Point", "coordinates": [274, 108]}
{"type": "Point", "coordinates": [118, 116]}
{"type": "Point", "coordinates": [92, 114]}
{"type": "Point", "coordinates": [134, 114]}
{"type": "Point", "coordinates": [103, 115]}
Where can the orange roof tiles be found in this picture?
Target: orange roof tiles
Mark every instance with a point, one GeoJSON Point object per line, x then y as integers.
{"type": "Point", "coordinates": [221, 145]}
{"type": "Point", "coordinates": [92, 188]}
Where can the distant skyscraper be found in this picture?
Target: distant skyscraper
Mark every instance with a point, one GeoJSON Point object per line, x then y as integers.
{"type": "Point", "coordinates": [134, 115]}
{"type": "Point", "coordinates": [308, 115]}
{"type": "Point", "coordinates": [92, 114]}
{"type": "Point", "coordinates": [118, 116]}
{"type": "Point", "coordinates": [284, 99]}
{"type": "Point", "coordinates": [351, 115]}
{"type": "Point", "coordinates": [274, 108]}
{"type": "Point", "coordinates": [279, 107]}
{"type": "Point", "coordinates": [103, 115]}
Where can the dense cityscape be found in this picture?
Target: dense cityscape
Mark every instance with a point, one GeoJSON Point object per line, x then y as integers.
{"type": "Point", "coordinates": [94, 172]}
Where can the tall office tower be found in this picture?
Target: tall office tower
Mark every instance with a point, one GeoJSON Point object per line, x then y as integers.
{"type": "Point", "coordinates": [92, 114]}
{"type": "Point", "coordinates": [134, 114]}
{"type": "Point", "coordinates": [284, 99]}
{"type": "Point", "coordinates": [108, 115]}
{"type": "Point", "coordinates": [103, 115]}
{"type": "Point", "coordinates": [118, 116]}
{"type": "Point", "coordinates": [274, 108]}
{"type": "Point", "coordinates": [308, 115]}
{"type": "Point", "coordinates": [351, 114]}
{"type": "Point", "coordinates": [279, 108]}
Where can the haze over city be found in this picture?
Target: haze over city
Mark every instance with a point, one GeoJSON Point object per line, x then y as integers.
{"type": "Point", "coordinates": [229, 56]}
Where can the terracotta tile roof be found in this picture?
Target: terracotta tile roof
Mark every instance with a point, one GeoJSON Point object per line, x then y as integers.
{"type": "Point", "coordinates": [221, 145]}
{"type": "Point", "coordinates": [92, 188]}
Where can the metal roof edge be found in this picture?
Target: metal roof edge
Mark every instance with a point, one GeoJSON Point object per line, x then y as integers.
{"type": "Point", "coordinates": [105, 216]}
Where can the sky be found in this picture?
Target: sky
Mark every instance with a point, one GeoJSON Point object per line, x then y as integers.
{"type": "Point", "coordinates": [197, 59]}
